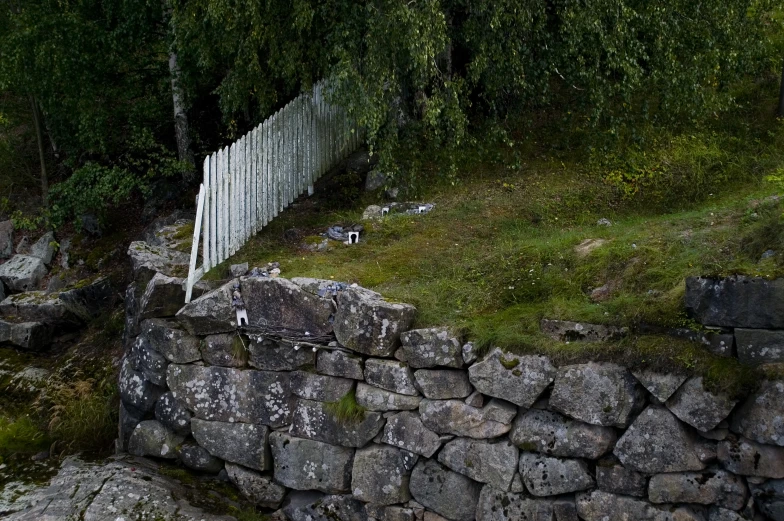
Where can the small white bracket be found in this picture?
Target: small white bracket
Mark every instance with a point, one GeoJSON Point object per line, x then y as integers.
{"type": "Point", "coordinates": [242, 314]}
{"type": "Point", "coordinates": [353, 237]}
{"type": "Point", "coordinates": [422, 209]}
{"type": "Point", "coordinates": [310, 190]}
{"type": "Point", "coordinates": [384, 211]}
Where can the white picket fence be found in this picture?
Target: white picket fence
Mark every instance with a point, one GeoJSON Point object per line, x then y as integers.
{"type": "Point", "coordinates": [249, 183]}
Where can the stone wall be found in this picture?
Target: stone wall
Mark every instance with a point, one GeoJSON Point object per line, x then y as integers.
{"type": "Point", "coordinates": [328, 407]}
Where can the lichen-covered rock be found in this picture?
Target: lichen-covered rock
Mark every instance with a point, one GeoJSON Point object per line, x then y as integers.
{"type": "Point", "coordinates": [517, 379]}
{"type": "Point", "coordinates": [391, 375]}
{"type": "Point", "coordinates": [661, 385]}
{"type": "Point", "coordinates": [151, 438]}
{"type": "Point", "coordinates": [705, 488]}
{"type": "Point", "coordinates": [313, 506]}
{"type": "Point", "coordinates": [149, 362]}
{"type": "Point", "coordinates": [268, 355]}
{"type": "Point", "coordinates": [748, 458]}
{"type": "Point", "coordinates": [759, 346]}
{"type": "Point", "coordinates": [430, 348]}
{"type": "Point", "coordinates": [390, 513]}
{"type": "Point", "coordinates": [599, 394]}
{"type": "Point", "coordinates": [173, 414]}
{"type": "Point", "coordinates": [38, 306]}
{"type": "Point", "coordinates": [406, 431]}
{"type": "Point", "coordinates": [198, 458]}
{"type": "Point", "coordinates": [556, 435]}
{"type": "Point", "coordinates": [280, 302]}
{"type": "Point", "coordinates": [470, 353]}
{"type": "Point", "coordinates": [658, 442]}
{"type": "Point", "coordinates": [311, 465]}
{"type": "Point", "coordinates": [165, 337]}
{"type": "Point", "coordinates": [135, 390]}
{"type": "Point", "coordinates": [319, 387]}
{"type": "Point", "coordinates": [147, 260]}
{"type": "Point", "coordinates": [314, 420]}
{"type": "Point", "coordinates": [447, 493]}
{"type": "Point", "coordinates": [493, 463]}
{"type": "Point", "coordinates": [498, 505]}
{"type": "Point", "coordinates": [722, 514]}
{"type": "Point", "coordinates": [381, 475]}
{"type": "Point", "coordinates": [44, 248]}
{"type": "Point", "coordinates": [23, 272]}
{"type": "Point", "coordinates": [242, 443]}
{"type": "Point", "coordinates": [365, 323]}
{"type": "Point", "coordinates": [455, 417]}
{"type": "Point", "coordinates": [565, 509]}
{"type": "Point", "coordinates": [736, 301]}
{"type": "Point", "coordinates": [761, 417]}
{"type": "Point", "coordinates": [130, 417]}
{"type": "Point", "coordinates": [163, 297]}
{"type": "Point", "coordinates": [769, 498]}
{"type": "Point", "coordinates": [549, 476]}
{"type": "Point", "coordinates": [375, 399]}
{"type": "Point", "coordinates": [339, 363]}
{"type": "Point", "coordinates": [224, 349]}
{"type": "Point", "coordinates": [28, 336]}
{"type": "Point", "coordinates": [211, 313]}
{"type": "Point", "coordinates": [603, 506]}
{"type": "Point", "coordinates": [229, 395]}
{"type": "Point", "coordinates": [698, 407]}
{"type": "Point", "coordinates": [258, 489]}
{"type": "Point", "coordinates": [566, 331]}
{"type": "Point", "coordinates": [443, 384]}
{"type": "Point", "coordinates": [620, 480]}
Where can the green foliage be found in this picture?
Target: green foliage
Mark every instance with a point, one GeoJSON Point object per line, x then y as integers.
{"type": "Point", "coordinates": [347, 410]}
{"type": "Point", "coordinates": [21, 434]}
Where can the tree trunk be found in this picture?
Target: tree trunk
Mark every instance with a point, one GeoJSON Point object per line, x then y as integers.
{"type": "Point", "coordinates": [181, 129]}
{"type": "Point", "coordinates": [40, 138]}
{"type": "Point", "coordinates": [781, 94]}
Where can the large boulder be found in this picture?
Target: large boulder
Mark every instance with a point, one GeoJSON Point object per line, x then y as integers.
{"type": "Point", "coordinates": [280, 303]}
{"type": "Point", "coordinates": [152, 438]}
{"type": "Point", "coordinates": [319, 387]}
{"type": "Point", "coordinates": [22, 273]}
{"type": "Point", "coordinates": [513, 507]}
{"type": "Point", "coordinates": [257, 488]}
{"type": "Point", "coordinates": [761, 417]}
{"type": "Point", "coordinates": [617, 479]}
{"type": "Point", "coordinates": [69, 308]}
{"type": "Point", "coordinates": [375, 399]}
{"type": "Point", "coordinates": [599, 394]}
{"type": "Point", "coordinates": [748, 458]}
{"type": "Point", "coordinates": [147, 260]}
{"type": "Point", "coordinates": [44, 248]}
{"type": "Point", "coordinates": [705, 488]}
{"type": "Point", "coordinates": [549, 476]}
{"type": "Point", "coordinates": [661, 385]}
{"type": "Point", "coordinates": [29, 336]}
{"type": "Point", "coordinates": [430, 348]}
{"type": "Point", "coordinates": [318, 421]}
{"type": "Point", "coordinates": [173, 414]}
{"type": "Point", "coordinates": [406, 431]}
{"type": "Point", "coordinates": [518, 379]}
{"type": "Point", "coordinates": [445, 492]}
{"type": "Point", "coordinates": [556, 435]}
{"type": "Point", "coordinates": [698, 407]}
{"type": "Point", "coordinates": [390, 375]}
{"type": "Point", "coordinates": [457, 418]}
{"type": "Point", "coordinates": [736, 301]}
{"type": "Point", "coordinates": [210, 313]}
{"type": "Point", "coordinates": [311, 465]}
{"type": "Point", "coordinates": [381, 475]}
{"type": "Point", "coordinates": [233, 395]}
{"type": "Point", "coordinates": [242, 443]}
{"type": "Point", "coordinates": [340, 363]}
{"type": "Point", "coordinates": [165, 337]}
{"type": "Point", "coordinates": [269, 355]}
{"type": "Point", "coordinates": [493, 463]}
{"type": "Point", "coordinates": [366, 323]}
{"type": "Point", "coordinates": [163, 297]}
{"type": "Point", "coordinates": [658, 442]}
{"type": "Point", "coordinates": [759, 346]}
{"type": "Point", "coordinates": [443, 384]}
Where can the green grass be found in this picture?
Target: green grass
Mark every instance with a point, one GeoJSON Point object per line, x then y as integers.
{"type": "Point", "coordinates": [347, 410]}
{"type": "Point", "coordinates": [21, 435]}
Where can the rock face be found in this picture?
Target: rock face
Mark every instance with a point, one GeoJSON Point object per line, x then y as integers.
{"type": "Point", "coordinates": [748, 458]}
{"type": "Point", "coordinates": [281, 302]}
{"type": "Point", "coordinates": [599, 394]}
{"type": "Point", "coordinates": [601, 506]}
{"type": "Point", "coordinates": [22, 272]}
{"type": "Point", "coordinates": [311, 465]}
{"type": "Point", "coordinates": [430, 348]}
{"type": "Point", "coordinates": [769, 498]}
{"type": "Point", "coordinates": [657, 442]}
{"type": "Point", "coordinates": [712, 488]}
{"type": "Point", "coordinates": [698, 407]}
{"type": "Point", "coordinates": [661, 385]}
{"type": "Point", "coordinates": [447, 493]}
{"type": "Point", "coordinates": [223, 394]}
{"type": "Point", "coordinates": [553, 434]}
{"type": "Point", "coordinates": [44, 248]}
{"type": "Point", "coordinates": [224, 349]}
{"type": "Point", "coordinates": [340, 363]}
{"type": "Point", "coordinates": [163, 296]}
{"type": "Point", "coordinates": [211, 313]}
{"type": "Point", "coordinates": [406, 431]}
{"type": "Point", "coordinates": [314, 420]}
{"type": "Point", "coordinates": [311, 506]}
{"type": "Point", "coordinates": [566, 331]}
{"type": "Point", "coordinates": [259, 489]}
{"type": "Point", "coordinates": [443, 384]}
{"type": "Point", "coordinates": [272, 356]}
{"type": "Point", "coordinates": [759, 346]}
{"type": "Point", "coordinates": [761, 417]}
{"type": "Point", "coordinates": [173, 414]}
{"type": "Point", "coordinates": [457, 418]}
{"type": "Point", "coordinates": [365, 323]}
{"type": "Point", "coordinates": [319, 387]}
{"type": "Point", "coordinates": [518, 379]}
{"type": "Point", "coordinates": [381, 475]}
{"type": "Point", "coordinates": [393, 376]}
{"type": "Point", "coordinates": [151, 438]}
{"type": "Point", "coordinates": [619, 480]}
{"type": "Point", "coordinates": [548, 476]}
{"type": "Point", "coordinates": [168, 339]}
{"type": "Point", "coordinates": [375, 399]}
{"type": "Point", "coordinates": [242, 443]}
{"type": "Point", "coordinates": [29, 336]}
{"type": "Point", "coordinates": [147, 260]}
{"type": "Point", "coordinates": [736, 302]}
{"type": "Point", "coordinates": [493, 463]}
{"type": "Point", "coordinates": [497, 505]}
{"type": "Point", "coordinates": [136, 390]}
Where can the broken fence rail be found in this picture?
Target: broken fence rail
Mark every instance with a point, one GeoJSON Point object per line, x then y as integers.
{"type": "Point", "coordinates": [248, 183]}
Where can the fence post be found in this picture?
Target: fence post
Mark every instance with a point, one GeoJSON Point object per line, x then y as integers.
{"type": "Point", "coordinates": [205, 255]}
{"type": "Point", "coordinates": [195, 246]}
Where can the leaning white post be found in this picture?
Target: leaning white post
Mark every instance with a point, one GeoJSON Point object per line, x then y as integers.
{"type": "Point", "coordinates": [195, 246]}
